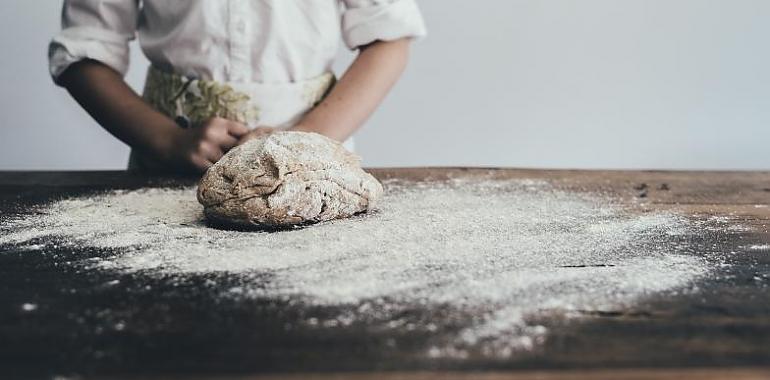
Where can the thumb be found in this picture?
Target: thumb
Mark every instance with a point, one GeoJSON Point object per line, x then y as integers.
{"type": "Point", "coordinates": [237, 129]}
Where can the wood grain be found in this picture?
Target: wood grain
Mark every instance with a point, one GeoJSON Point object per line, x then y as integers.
{"type": "Point", "coordinates": [622, 374]}
{"type": "Point", "coordinates": [722, 332]}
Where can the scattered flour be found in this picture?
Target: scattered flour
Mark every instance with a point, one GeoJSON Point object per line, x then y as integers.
{"type": "Point", "coordinates": [28, 307]}
{"type": "Point", "coordinates": [495, 253]}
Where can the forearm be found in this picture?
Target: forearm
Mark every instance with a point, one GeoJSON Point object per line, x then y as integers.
{"type": "Point", "coordinates": [103, 93]}
{"type": "Point", "coordinates": [360, 90]}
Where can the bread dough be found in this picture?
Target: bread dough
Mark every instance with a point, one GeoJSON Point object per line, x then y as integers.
{"type": "Point", "coordinates": [287, 178]}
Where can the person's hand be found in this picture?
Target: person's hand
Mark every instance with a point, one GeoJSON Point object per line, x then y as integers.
{"type": "Point", "coordinates": [200, 147]}
{"type": "Point", "coordinates": [302, 127]}
{"type": "Point", "coordinates": [255, 133]}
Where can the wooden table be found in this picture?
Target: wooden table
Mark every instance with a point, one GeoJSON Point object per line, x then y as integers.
{"type": "Point", "coordinates": [723, 331]}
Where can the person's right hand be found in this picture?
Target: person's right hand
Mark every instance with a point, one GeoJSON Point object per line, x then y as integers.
{"type": "Point", "coordinates": [200, 147]}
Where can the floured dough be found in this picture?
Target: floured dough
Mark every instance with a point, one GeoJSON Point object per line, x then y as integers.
{"type": "Point", "coordinates": [287, 178]}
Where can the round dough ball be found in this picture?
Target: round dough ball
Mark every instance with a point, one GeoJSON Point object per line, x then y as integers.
{"type": "Point", "coordinates": [284, 179]}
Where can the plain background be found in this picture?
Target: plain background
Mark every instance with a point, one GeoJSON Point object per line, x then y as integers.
{"type": "Point", "coordinates": [670, 84]}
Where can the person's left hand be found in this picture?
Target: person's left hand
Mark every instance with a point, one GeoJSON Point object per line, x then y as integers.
{"type": "Point", "coordinates": [255, 133]}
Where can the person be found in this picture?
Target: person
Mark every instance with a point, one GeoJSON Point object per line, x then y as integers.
{"type": "Point", "coordinates": [223, 72]}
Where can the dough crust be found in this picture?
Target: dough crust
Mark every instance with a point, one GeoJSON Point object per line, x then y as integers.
{"type": "Point", "coordinates": [287, 178]}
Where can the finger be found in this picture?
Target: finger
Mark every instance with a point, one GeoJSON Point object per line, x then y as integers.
{"type": "Point", "coordinates": [209, 151]}
{"type": "Point", "coordinates": [227, 142]}
{"type": "Point", "coordinates": [213, 154]}
{"type": "Point", "coordinates": [256, 133]}
{"type": "Point", "coordinates": [218, 132]}
{"type": "Point", "coordinates": [263, 131]}
{"type": "Point", "coordinates": [237, 129]}
{"type": "Point", "coordinates": [214, 122]}
{"type": "Point", "coordinates": [246, 138]}
{"type": "Point", "coordinates": [218, 136]}
{"type": "Point", "coordinates": [221, 138]}
{"type": "Point", "coordinates": [200, 163]}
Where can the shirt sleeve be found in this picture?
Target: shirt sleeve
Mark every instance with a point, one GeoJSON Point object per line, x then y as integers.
{"type": "Point", "coordinates": [94, 29]}
{"type": "Point", "coordinates": [366, 21]}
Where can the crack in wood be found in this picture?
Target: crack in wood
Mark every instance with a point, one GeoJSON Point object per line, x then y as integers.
{"type": "Point", "coordinates": [616, 313]}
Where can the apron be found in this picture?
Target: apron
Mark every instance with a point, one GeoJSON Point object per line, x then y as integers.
{"type": "Point", "coordinates": [191, 102]}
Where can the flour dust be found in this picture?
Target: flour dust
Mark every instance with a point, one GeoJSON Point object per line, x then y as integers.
{"type": "Point", "coordinates": [490, 255]}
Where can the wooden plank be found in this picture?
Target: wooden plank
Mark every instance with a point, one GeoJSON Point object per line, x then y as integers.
{"type": "Point", "coordinates": [618, 374]}
{"type": "Point", "coordinates": [697, 188]}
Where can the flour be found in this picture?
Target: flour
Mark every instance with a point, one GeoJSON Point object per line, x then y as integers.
{"type": "Point", "coordinates": [492, 254]}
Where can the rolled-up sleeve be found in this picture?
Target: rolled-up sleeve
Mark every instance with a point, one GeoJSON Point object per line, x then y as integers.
{"type": "Point", "coordinates": [94, 29]}
{"type": "Point", "coordinates": [366, 21]}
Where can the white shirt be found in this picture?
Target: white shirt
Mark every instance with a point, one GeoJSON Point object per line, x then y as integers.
{"type": "Point", "coordinates": [265, 41]}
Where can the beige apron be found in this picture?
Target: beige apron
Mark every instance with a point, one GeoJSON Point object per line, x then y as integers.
{"type": "Point", "coordinates": [191, 102]}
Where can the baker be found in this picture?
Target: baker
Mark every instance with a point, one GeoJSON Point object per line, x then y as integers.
{"type": "Point", "coordinates": [226, 71]}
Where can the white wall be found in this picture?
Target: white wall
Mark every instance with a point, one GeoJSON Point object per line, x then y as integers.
{"type": "Point", "coordinates": [535, 83]}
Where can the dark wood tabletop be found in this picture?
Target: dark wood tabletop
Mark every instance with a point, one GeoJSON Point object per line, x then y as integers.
{"type": "Point", "coordinates": [721, 331]}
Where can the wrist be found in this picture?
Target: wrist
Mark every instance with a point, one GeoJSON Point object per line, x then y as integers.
{"type": "Point", "coordinates": [304, 127]}
{"type": "Point", "coordinates": [163, 140]}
